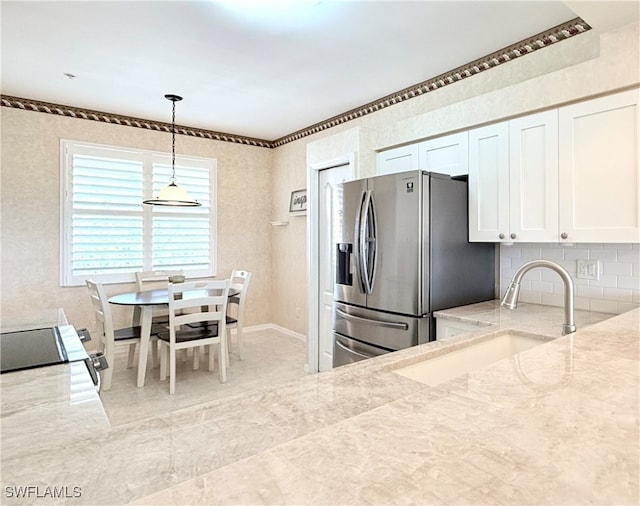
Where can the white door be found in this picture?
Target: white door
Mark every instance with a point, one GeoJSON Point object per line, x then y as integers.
{"type": "Point", "coordinates": [328, 188]}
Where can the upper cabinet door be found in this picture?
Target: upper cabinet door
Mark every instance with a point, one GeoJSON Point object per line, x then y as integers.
{"type": "Point", "coordinates": [489, 183]}
{"type": "Point", "coordinates": [399, 159]}
{"type": "Point", "coordinates": [533, 178]}
{"type": "Point", "coordinates": [447, 155]}
{"type": "Point", "coordinates": [599, 170]}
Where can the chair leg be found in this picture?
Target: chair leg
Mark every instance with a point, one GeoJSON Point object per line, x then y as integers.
{"type": "Point", "coordinates": [239, 339]}
{"type": "Point", "coordinates": [228, 347]}
{"type": "Point", "coordinates": [196, 358]}
{"type": "Point", "coordinates": [212, 357]}
{"type": "Point", "coordinates": [154, 353]}
{"type": "Point", "coordinates": [163, 362]}
{"type": "Point", "coordinates": [131, 357]}
{"type": "Point", "coordinates": [172, 371]}
{"type": "Point", "coordinates": [106, 378]}
{"type": "Point", "coordinates": [221, 358]}
{"type": "Point", "coordinates": [109, 352]}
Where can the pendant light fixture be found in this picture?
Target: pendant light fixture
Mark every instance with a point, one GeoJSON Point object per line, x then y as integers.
{"type": "Point", "coordinates": [173, 195]}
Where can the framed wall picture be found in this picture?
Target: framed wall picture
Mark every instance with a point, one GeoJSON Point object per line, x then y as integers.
{"type": "Point", "coordinates": [298, 202]}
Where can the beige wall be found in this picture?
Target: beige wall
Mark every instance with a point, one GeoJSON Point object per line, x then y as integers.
{"type": "Point", "coordinates": [254, 184]}
{"type": "Point", "coordinates": [288, 263]}
{"type": "Point", "coordinates": [573, 69]}
{"type": "Point", "coordinates": [30, 189]}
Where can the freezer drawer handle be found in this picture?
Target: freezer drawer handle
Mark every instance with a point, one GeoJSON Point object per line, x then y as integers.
{"type": "Point", "coordinates": [353, 352]}
{"type": "Point", "coordinates": [377, 323]}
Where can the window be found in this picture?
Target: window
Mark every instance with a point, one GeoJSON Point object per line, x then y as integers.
{"type": "Point", "coordinates": [108, 234]}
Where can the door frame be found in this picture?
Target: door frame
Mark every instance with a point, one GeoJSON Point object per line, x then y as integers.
{"type": "Point", "coordinates": [313, 297]}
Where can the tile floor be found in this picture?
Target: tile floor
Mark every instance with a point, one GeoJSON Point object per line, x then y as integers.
{"type": "Point", "coordinates": [271, 357]}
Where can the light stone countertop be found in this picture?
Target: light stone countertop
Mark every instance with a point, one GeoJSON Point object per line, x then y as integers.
{"type": "Point", "coordinates": [534, 318]}
{"type": "Point", "coordinates": [32, 399]}
{"type": "Point", "coordinates": [560, 428]}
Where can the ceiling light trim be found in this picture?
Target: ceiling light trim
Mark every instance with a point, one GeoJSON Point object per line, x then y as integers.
{"type": "Point", "coordinates": [547, 38]}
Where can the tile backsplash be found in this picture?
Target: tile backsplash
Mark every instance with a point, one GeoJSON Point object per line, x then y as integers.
{"type": "Point", "coordinates": [617, 290]}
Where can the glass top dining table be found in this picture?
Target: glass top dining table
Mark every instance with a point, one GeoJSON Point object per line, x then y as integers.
{"type": "Point", "coordinates": [143, 303]}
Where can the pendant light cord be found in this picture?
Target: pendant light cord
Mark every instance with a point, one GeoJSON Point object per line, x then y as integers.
{"type": "Point", "coordinates": [173, 143]}
{"type": "Point", "coordinates": [172, 195]}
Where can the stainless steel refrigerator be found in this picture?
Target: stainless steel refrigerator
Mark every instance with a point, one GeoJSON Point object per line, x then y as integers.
{"type": "Point", "coordinates": [402, 253]}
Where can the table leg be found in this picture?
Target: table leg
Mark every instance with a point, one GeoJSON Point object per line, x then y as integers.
{"type": "Point", "coordinates": [136, 316]}
{"type": "Point", "coordinates": [145, 338]}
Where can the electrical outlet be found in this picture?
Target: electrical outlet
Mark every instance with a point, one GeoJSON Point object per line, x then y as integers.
{"type": "Point", "coordinates": [588, 269]}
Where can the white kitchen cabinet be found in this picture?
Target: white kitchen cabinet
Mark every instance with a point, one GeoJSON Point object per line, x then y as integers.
{"type": "Point", "coordinates": [448, 154]}
{"type": "Point", "coordinates": [489, 183]}
{"type": "Point", "coordinates": [398, 159]}
{"type": "Point", "coordinates": [533, 178]}
{"type": "Point", "coordinates": [513, 180]}
{"type": "Point", "coordinates": [600, 174]}
{"type": "Point", "coordinates": [564, 175]}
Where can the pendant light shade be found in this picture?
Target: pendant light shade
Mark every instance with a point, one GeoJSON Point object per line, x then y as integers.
{"type": "Point", "coordinates": [173, 195]}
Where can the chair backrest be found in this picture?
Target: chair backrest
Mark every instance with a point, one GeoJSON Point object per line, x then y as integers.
{"type": "Point", "coordinates": [198, 301]}
{"type": "Point", "coordinates": [240, 280]}
{"type": "Point", "coordinates": [101, 309]}
{"type": "Point", "coordinates": [152, 280]}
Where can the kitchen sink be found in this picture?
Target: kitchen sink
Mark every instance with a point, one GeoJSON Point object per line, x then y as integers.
{"type": "Point", "coordinates": [466, 358]}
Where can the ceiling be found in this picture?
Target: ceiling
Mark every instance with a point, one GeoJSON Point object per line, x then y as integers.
{"type": "Point", "coordinates": [257, 68]}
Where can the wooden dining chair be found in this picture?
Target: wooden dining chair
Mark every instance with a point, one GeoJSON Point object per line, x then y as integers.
{"type": "Point", "coordinates": [151, 280]}
{"type": "Point", "coordinates": [154, 280]}
{"type": "Point", "coordinates": [108, 337]}
{"type": "Point", "coordinates": [197, 318]}
{"type": "Point", "coordinates": [239, 282]}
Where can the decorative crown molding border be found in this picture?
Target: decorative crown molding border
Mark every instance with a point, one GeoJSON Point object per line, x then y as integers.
{"type": "Point", "coordinates": [522, 48]}
{"type": "Point", "coordinates": [75, 112]}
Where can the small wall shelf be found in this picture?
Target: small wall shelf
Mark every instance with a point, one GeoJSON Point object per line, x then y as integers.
{"type": "Point", "coordinates": [280, 223]}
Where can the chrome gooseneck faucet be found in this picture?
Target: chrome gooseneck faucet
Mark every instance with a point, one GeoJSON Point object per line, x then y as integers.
{"type": "Point", "coordinates": [510, 299]}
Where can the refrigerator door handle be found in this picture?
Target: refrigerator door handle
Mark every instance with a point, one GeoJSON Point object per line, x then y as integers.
{"type": "Point", "coordinates": [372, 242]}
{"type": "Point", "coordinates": [377, 323]}
{"type": "Point", "coordinates": [360, 233]}
{"type": "Point", "coordinates": [368, 244]}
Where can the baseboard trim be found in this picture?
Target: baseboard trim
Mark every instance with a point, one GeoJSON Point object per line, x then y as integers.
{"type": "Point", "coordinates": [273, 326]}
{"type": "Point", "coordinates": [254, 328]}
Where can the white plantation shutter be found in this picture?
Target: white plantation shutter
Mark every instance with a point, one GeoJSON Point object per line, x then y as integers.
{"type": "Point", "coordinates": [108, 233]}
{"type": "Point", "coordinates": [182, 235]}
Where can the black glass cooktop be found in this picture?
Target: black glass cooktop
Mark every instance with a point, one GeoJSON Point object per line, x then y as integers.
{"type": "Point", "coordinates": [27, 349]}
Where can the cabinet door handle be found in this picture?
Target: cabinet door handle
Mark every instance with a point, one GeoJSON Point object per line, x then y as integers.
{"type": "Point", "coordinates": [564, 235]}
{"type": "Point", "coordinates": [501, 236]}
{"type": "Point", "coordinates": [513, 236]}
